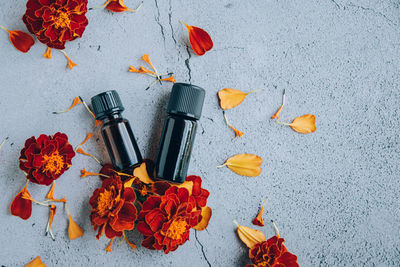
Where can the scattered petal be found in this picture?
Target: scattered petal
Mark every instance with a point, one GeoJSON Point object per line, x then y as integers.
{"type": "Point", "coordinates": [50, 195]}
{"type": "Point", "coordinates": [141, 173]}
{"type": "Point", "coordinates": [199, 39]}
{"type": "Point", "coordinates": [237, 132]}
{"type": "Point", "coordinates": [206, 213]}
{"type": "Point", "coordinates": [230, 98]}
{"type": "Point", "coordinates": [74, 230]}
{"type": "Point", "coordinates": [53, 210]}
{"type": "Point", "coordinates": [169, 79]}
{"type": "Point", "coordinates": [146, 59]}
{"type": "Point", "coordinates": [119, 6]}
{"type": "Point", "coordinates": [22, 204]}
{"type": "Point", "coordinates": [88, 136]}
{"type": "Point", "coordinates": [76, 101]}
{"type": "Point", "coordinates": [85, 173]}
{"type": "Point", "coordinates": [304, 124]}
{"type": "Point", "coordinates": [276, 115]}
{"type": "Point", "coordinates": [259, 219]}
{"type": "Point", "coordinates": [70, 64]}
{"type": "Point", "coordinates": [47, 54]}
{"type": "Point", "coordinates": [108, 248]}
{"type": "Point", "coordinates": [244, 164]}
{"type": "Point", "coordinates": [36, 262]}
{"type": "Point", "coordinates": [80, 151]}
{"type": "Point", "coordinates": [20, 40]}
{"type": "Point", "coordinates": [133, 69]}
{"type": "Point", "coordinates": [249, 236]}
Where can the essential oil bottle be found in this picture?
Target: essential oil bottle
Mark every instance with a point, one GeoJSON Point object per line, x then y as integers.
{"type": "Point", "coordinates": [183, 112]}
{"type": "Point", "coordinates": [116, 131]}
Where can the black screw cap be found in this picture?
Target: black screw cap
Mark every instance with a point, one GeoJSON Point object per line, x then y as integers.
{"type": "Point", "coordinates": [106, 103]}
{"type": "Point", "coordinates": [186, 100]}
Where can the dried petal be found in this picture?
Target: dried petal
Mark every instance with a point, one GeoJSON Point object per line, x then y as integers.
{"type": "Point", "coordinates": [141, 173]}
{"type": "Point", "coordinates": [244, 164]}
{"type": "Point", "coordinates": [50, 195]}
{"type": "Point", "coordinates": [199, 39]}
{"type": "Point", "coordinates": [20, 40]}
{"type": "Point", "coordinates": [76, 101]}
{"type": "Point", "coordinates": [169, 79]}
{"type": "Point", "coordinates": [259, 219]}
{"type": "Point", "coordinates": [36, 262]}
{"type": "Point", "coordinates": [53, 210]}
{"type": "Point", "coordinates": [237, 132]}
{"type": "Point", "coordinates": [22, 204]}
{"type": "Point", "coordinates": [249, 236]}
{"type": "Point", "coordinates": [304, 124]}
{"type": "Point", "coordinates": [119, 6]}
{"type": "Point", "coordinates": [70, 64]}
{"type": "Point", "coordinates": [276, 115]}
{"type": "Point", "coordinates": [206, 213]}
{"type": "Point", "coordinates": [47, 54]}
{"type": "Point", "coordinates": [230, 98]}
{"type": "Point", "coordinates": [74, 230]}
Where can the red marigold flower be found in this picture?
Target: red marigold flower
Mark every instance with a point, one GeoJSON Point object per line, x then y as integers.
{"type": "Point", "coordinates": [46, 158]}
{"type": "Point", "coordinates": [272, 253]}
{"type": "Point", "coordinates": [165, 221]}
{"type": "Point", "coordinates": [56, 21]}
{"type": "Point", "coordinates": [112, 208]}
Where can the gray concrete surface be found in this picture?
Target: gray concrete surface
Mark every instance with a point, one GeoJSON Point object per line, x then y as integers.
{"type": "Point", "coordinates": [333, 193]}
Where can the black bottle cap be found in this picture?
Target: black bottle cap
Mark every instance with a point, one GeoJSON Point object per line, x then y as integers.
{"type": "Point", "coordinates": [187, 100]}
{"type": "Point", "coordinates": [106, 103]}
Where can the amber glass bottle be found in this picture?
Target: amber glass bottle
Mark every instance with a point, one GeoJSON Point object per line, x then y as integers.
{"type": "Point", "coordinates": [183, 112]}
{"type": "Point", "coordinates": [116, 131]}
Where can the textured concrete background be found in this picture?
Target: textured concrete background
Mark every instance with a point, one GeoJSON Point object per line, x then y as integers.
{"type": "Point", "coordinates": [333, 193]}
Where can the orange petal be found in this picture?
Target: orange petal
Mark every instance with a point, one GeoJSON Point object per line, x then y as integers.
{"type": "Point", "coordinates": [244, 164]}
{"type": "Point", "coordinates": [76, 101]}
{"type": "Point", "coordinates": [21, 206]}
{"type": "Point", "coordinates": [259, 219]}
{"type": "Point", "coordinates": [70, 63]}
{"type": "Point", "coordinates": [249, 236]}
{"type": "Point", "coordinates": [80, 151]}
{"type": "Point", "coordinates": [53, 210]}
{"type": "Point", "coordinates": [36, 262]}
{"type": "Point", "coordinates": [129, 182]}
{"type": "Point", "coordinates": [74, 230]}
{"type": "Point", "coordinates": [206, 213]}
{"type": "Point", "coordinates": [50, 195]}
{"type": "Point", "coordinates": [47, 54]}
{"type": "Point", "coordinates": [146, 59]}
{"type": "Point", "coordinates": [119, 6]}
{"type": "Point", "coordinates": [230, 98]}
{"type": "Point", "coordinates": [20, 40]}
{"type": "Point", "coordinates": [132, 245]}
{"type": "Point", "coordinates": [170, 79]}
{"type": "Point", "coordinates": [88, 136]}
{"type": "Point", "coordinates": [276, 115]}
{"type": "Point", "coordinates": [133, 69]}
{"type": "Point", "coordinates": [85, 173]}
{"type": "Point", "coordinates": [304, 124]}
{"type": "Point", "coordinates": [141, 173]}
{"type": "Point", "coordinates": [144, 70]}
{"type": "Point", "coordinates": [237, 132]}
{"type": "Point", "coordinates": [108, 248]}
{"type": "Point", "coordinates": [199, 39]}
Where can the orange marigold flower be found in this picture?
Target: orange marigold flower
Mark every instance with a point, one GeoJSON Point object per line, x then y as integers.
{"type": "Point", "coordinates": [272, 252]}
{"type": "Point", "coordinates": [55, 22]}
{"type": "Point", "coordinates": [22, 204]}
{"type": "Point", "coordinates": [46, 158]}
{"type": "Point", "coordinates": [20, 40]}
{"type": "Point", "coordinates": [165, 220]}
{"type": "Point", "coordinates": [112, 208]}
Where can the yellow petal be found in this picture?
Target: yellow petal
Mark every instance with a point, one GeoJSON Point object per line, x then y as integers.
{"type": "Point", "coordinates": [36, 262]}
{"type": "Point", "coordinates": [186, 184]}
{"type": "Point", "coordinates": [141, 173]}
{"type": "Point", "coordinates": [245, 164]}
{"type": "Point", "coordinates": [206, 214]}
{"type": "Point", "coordinates": [230, 98]}
{"type": "Point", "coordinates": [304, 124]}
{"type": "Point", "coordinates": [129, 182]}
{"type": "Point", "coordinates": [74, 230]}
{"type": "Point", "coordinates": [249, 236]}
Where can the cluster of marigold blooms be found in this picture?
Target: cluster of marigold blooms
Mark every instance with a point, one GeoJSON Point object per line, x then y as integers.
{"type": "Point", "coordinates": [55, 22]}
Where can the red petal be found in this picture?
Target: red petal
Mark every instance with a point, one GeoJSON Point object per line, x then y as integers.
{"type": "Point", "coordinates": [200, 40]}
{"type": "Point", "coordinates": [110, 233]}
{"type": "Point", "coordinates": [151, 203]}
{"type": "Point", "coordinates": [129, 194]}
{"type": "Point", "coordinates": [21, 207]}
{"type": "Point", "coordinates": [115, 6]}
{"type": "Point", "coordinates": [143, 228]}
{"type": "Point", "coordinates": [21, 40]}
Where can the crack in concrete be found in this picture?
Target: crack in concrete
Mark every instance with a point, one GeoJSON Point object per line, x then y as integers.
{"type": "Point", "coordinates": [337, 5]}
{"type": "Point", "coordinates": [202, 248]}
{"type": "Point", "coordinates": [170, 22]}
{"type": "Point", "coordinates": [374, 12]}
{"type": "Point", "coordinates": [188, 65]}
{"type": "Point", "coordinates": [158, 20]}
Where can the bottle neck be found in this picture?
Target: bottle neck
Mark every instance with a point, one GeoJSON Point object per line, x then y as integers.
{"type": "Point", "coordinates": [182, 116]}
{"type": "Point", "coordinates": [111, 117]}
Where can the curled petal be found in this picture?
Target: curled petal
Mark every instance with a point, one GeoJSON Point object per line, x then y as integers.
{"type": "Point", "coordinates": [199, 39]}
{"type": "Point", "coordinates": [259, 219]}
{"type": "Point", "coordinates": [206, 214]}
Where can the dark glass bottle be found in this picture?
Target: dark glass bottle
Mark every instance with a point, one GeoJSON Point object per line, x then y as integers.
{"type": "Point", "coordinates": [184, 110]}
{"type": "Point", "coordinates": [116, 131]}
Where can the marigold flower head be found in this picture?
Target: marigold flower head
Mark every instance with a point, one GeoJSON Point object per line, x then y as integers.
{"type": "Point", "coordinates": [46, 158]}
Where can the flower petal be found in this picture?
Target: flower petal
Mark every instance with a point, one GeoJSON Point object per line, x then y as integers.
{"type": "Point", "coordinates": [249, 236]}
{"type": "Point", "coordinates": [199, 39]}
{"type": "Point", "coordinates": [206, 214]}
{"type": "Point", "coordinates": [74, 230]}
{"type": "Point", "coordinates": [230, 98]}
{"type": "Point", "coordinates": [21, 40]}
{"type": "Point", "coordinates": [245, 164]}
{"type": "Point", "coordinates": [22, 206]}
{"type": "Point", "coordinates": [36, 262]}
{"type": "Point", "coordinates": [141, 173]}
{"type": "Point", "coordinates": [304, 124]}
